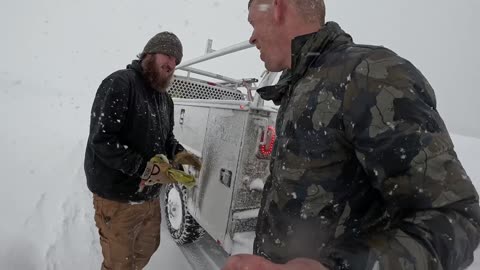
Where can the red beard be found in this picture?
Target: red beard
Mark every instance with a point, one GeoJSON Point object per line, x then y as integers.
{"type": "Point", "coordinates": [158, 79]}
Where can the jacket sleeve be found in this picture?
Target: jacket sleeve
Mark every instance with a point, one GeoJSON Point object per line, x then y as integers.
{"type": "Point", "coordinates": [109, 114]}
{"type": "Point", "coordinates": [432, 217]}
{"type": "Point", "coordinates": [172, 145]}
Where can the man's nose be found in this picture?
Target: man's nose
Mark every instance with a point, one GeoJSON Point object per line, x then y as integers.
{"type": "Point", "coordinates": [252, 39]}
{"type": "Point", "coordinates": [172, 62]}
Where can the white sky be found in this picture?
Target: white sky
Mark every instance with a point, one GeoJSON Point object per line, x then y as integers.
{"type": "Point", "coordinates": [70, 46]}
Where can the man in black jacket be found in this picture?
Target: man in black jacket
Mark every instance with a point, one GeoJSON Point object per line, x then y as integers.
{"type": "Point", "coordinates": [131, 122]}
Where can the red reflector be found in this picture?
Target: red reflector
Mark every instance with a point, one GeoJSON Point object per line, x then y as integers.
{"type": "Point", "coordinates": [211, 83]}
{"type": "Point", "coordinates": [267, 140]}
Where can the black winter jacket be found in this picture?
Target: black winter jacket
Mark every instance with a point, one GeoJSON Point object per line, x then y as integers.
{"type": "Point", "coordinates": [130, 123]}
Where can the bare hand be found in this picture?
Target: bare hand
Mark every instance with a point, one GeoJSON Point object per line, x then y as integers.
{"type": "Point", "coordinates": [252, 262]}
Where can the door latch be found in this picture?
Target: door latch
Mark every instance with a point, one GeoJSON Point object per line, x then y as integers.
{"type": "Point", "coordinates": [182, 116]}
{"type": "Point", "coordinates": [226, 177]}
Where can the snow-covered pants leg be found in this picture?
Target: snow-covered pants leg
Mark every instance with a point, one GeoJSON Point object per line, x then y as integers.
{"type": "Point", "coordinates": [129, 233]}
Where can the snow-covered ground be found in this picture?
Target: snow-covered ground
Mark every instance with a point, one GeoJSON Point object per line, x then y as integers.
{"type": "Point", "coordinates": [47, 213]}
{"type": "Point", "coordinates": [47, 220]}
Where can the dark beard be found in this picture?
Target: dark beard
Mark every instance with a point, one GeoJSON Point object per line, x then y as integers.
{"type": "Point", "coordinates": [157, 79]}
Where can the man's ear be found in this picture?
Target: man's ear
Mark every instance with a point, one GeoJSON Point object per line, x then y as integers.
{"type": "Point", "coordinates": [279, 10]}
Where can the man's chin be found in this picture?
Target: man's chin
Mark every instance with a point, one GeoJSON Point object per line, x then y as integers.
{"type": "Point", "coordinates": [163, 86]}
{"type": "Point", "coordinates": [162, 90]}
{"type": "Point", "coordinates": [273, 68]}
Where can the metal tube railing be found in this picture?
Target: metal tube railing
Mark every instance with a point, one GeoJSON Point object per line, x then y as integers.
{"type": "Point", "coordinates": [231, 49]}
{"type": "Point", "coordinates": [211, 75]}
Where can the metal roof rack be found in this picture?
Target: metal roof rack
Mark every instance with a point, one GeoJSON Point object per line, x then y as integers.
{"type": "Point", "coordinates": [186, 87]}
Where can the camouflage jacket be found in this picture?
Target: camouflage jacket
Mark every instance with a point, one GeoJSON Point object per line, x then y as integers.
{"type": "Point", "coordinates": [363, 172]}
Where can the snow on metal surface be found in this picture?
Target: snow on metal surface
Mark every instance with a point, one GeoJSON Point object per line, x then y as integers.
{"type": "Point", "coordinates": [252, 213]}
{"type": "Point", "coordinates": [257, 184]}
{"type": "Point", "coordinates": [243, 243]}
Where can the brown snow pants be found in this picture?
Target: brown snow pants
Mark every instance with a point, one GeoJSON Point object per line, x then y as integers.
{"type": "Point", "coordinates": [129, 233]}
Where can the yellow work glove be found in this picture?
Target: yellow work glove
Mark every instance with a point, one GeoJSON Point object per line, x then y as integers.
{"type": "Point", "coordinates": [159, 171]}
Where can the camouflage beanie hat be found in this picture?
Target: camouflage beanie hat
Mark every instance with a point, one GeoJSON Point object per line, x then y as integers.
{"type": "Point", "coordinates": [166, 43]}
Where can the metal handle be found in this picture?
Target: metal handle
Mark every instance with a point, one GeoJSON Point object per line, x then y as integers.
{"type": "Point", "coordinates": [226, 177]}
{"type": "Point", "coordinates": [182, 116]}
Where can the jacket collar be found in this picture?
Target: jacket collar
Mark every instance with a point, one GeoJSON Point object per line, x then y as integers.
{"type": "Point", "coordinates": [136, 66]}
{"type": "Point", "coordinates": [305, 50]}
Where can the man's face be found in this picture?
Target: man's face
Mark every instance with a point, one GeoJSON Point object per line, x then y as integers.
{"type": "Point", "coordinates": [267, 37]}
{"type": "Point", "coordinates": [158, 70]}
